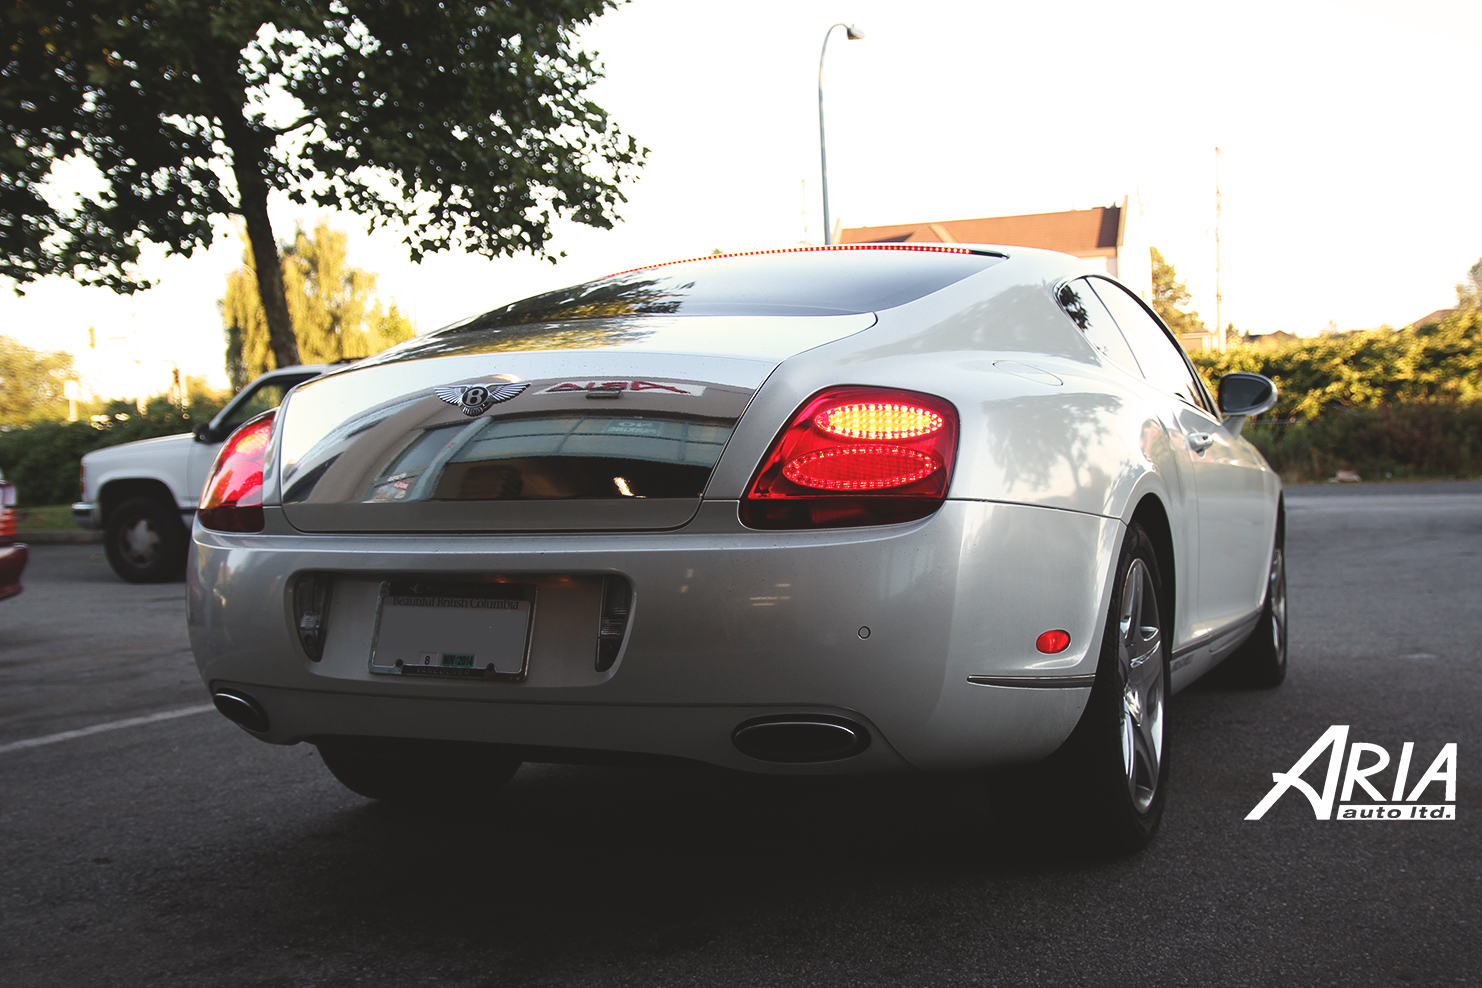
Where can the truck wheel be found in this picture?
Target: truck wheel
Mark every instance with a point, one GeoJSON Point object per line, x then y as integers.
{"type": "Point", "coordinates": [145, 542]}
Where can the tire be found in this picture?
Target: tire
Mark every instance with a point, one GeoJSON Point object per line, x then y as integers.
{"type": "Point", "coordinates": [1260, 662]}
{"type": "Point", "coordinates": [418, 774]}
{"type": "Point", "coordinates": [145, 541]}
{"type": "Point", "coordinates": [1104, 789]}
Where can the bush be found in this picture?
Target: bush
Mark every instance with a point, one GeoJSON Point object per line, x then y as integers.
{"type": "Point", "coordinates": [1402, 442]}
{"type": "Point", "coordinates": [42, 459]}
{"type": "Point", "coordinates": [1368, 370]}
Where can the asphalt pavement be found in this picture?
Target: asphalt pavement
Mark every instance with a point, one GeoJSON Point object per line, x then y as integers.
{"type": "Point", "coordinates": [181, 851]}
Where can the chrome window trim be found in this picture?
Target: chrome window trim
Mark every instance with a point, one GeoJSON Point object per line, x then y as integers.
{"type": "Point", "coordinates": [1210, 405]}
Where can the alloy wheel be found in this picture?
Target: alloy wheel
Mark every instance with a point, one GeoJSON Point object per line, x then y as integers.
{"type": "Point", "coordinates": [1140, 655]}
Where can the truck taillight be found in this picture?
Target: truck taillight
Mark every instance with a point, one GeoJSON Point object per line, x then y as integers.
{"type": "Point", "coordinates": [232, 500]}
{"type": "Point", "coordinates": [856, 456]}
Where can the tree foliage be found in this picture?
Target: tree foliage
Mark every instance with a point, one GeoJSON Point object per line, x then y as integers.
{"type": "Point", "coordinates": [1169, 294]}
{"type": "Point", "coordinates": [31, 383]}
{"type": "Point", "coordinates": [1469, 291]}
{"type": "Point", "coordinates": [42, 458]}
{"type": "Point", "coordinates": [1365, 370]}
{"type": "Point", "coordinates": [335, 313]}
{"type": "Point", "coordinates": [465, 122]}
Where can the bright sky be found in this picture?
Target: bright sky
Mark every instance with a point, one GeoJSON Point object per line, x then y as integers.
{"type": "Point", "coordinates": [1348, 131]}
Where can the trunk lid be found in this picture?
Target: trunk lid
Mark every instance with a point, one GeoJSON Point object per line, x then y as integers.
{"type": "Point", "coordinates": [606, 425]}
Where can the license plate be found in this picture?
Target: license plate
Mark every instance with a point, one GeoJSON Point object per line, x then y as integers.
{"type": "Point", "coordinates": [453, 630]}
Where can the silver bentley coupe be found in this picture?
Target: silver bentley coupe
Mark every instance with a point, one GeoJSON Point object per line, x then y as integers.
{"type": "Point", "coordinates": [862, 509]}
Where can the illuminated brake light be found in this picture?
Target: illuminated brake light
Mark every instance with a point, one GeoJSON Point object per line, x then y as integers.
{"type": "Point", "coordinates": [860, 468]}
{"type": "Point", "coordinates": [232, 500]}
{"type": "Point", "coordinates": [815, 249]}
{"type": "Point", "coordinates": [856, 456]}
{"type": "Point", "coordinates": [878, 420]}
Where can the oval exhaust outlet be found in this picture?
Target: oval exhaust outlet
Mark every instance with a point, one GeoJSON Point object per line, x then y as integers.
{"type": "Point", "coordinates": [241, 709]}
{"type": "Point", "coordinates": [800, 738]}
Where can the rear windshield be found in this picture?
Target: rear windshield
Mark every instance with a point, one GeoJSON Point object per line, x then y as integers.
{"type": "Point", "coordinates": [784, 283]}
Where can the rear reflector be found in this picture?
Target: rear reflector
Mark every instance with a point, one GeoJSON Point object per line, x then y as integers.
{"type": "Point", "coordinates": [1052, 642]}
{"type": "Point", "coordinates": [856, 456]}
{"type": "Point", "coordinates": [232, 500]}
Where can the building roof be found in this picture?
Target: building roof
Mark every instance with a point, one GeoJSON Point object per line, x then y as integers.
{"type": "Point", "coordinates": [1433, 318]}
{"type": "Point", "coordinates": [1082, 232]}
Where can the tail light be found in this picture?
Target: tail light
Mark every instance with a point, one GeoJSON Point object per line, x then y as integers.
{"type": "Point", "coordinates": [856, 456]}
{"type": "Point", "coordinates": [232, 500]}
{"type": "Point", "coordinates": [7, 514]}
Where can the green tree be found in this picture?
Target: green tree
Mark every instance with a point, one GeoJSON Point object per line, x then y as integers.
{"type": "Point", "coordinates": [1374, 369]}
{"type": "Point", "coordinates": [31, 383]}
{"type": "Point", "coordinates": [1469, 292]}
{"type": "Point", "coordinates": [335, 313]}
{"type": "Point", "coordinates": [465, 122]}
{"type": "Point", "coordinates": [1168, 294]}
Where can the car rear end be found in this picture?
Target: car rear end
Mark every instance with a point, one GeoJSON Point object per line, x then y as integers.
{"type": "Point", "coordinates": [633, 551]}
{"type": "Point", "coordinates": [13, 554]}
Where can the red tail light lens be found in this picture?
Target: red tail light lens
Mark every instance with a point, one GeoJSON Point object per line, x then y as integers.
{"type": "Point", "coordinates": [232, 500]}
{"type": "Point", "coordinates": [856, 456]}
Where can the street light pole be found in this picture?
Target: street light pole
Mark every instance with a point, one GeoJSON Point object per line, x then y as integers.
{"type": "Point", "coordinates": [853, 34]}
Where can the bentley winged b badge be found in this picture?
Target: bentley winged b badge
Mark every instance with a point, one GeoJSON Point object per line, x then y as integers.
{"type": "Point", "coordinates": [475, 399]}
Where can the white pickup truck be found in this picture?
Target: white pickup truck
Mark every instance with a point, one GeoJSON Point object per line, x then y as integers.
{"type": "Point", "coordinates": [144, 494]}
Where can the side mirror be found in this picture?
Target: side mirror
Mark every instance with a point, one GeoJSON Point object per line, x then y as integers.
{"type": "Point", "coordinates": [1243, 395]}
{"type": "Point", "coordinates": [203, 433]}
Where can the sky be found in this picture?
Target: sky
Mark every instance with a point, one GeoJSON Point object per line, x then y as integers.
{"type": "Point", "coordinates": [1348, 164]}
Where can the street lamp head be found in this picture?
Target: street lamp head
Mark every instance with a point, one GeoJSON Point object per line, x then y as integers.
{"type": "Point", "coordinates": [852, 33]}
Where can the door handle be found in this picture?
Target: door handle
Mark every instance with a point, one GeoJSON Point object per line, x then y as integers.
{"type": "Point", "coordinates": [1200, 441]}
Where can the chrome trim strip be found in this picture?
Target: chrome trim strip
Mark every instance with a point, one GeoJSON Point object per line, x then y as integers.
{"type": "Point", "coordinates": [1035, 682]}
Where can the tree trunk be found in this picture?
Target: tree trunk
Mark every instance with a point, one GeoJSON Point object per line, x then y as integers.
{"type": "Point", "coordinates": [252, 190]}
{"type": "Point", "coordinates": [269, 272]}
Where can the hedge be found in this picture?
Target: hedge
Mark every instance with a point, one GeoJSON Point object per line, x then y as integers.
{"type": "Point", "coordinates": [1372, 369]}
{"type": "Point", "coordinates": [42, 459]}
{"type": "Point", "coordinates": [1397, 442]}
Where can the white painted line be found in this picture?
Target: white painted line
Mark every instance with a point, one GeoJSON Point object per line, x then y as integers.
{"type": "Point", "coordinates": [112, 725]}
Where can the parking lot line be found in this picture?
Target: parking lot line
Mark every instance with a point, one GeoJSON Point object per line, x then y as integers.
{"type": "Point", "coordinates": [112, 725]}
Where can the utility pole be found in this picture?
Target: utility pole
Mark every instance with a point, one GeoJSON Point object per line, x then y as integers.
{"type": "Point", "coordinates": [1219, 299]}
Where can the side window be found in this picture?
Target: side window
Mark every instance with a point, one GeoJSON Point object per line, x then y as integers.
{"type": "Point", "coordinates": [1162, 361]}
{"type": "Point", "coordinates": [1087, 312]}
{"type": "Point", "coordinates": [261, 398]}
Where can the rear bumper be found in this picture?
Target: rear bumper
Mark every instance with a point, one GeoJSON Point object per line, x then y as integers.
{"type": "Point", "coordinates": [879, 626]}
{"type": "Point", "coordinates": [12, 562]}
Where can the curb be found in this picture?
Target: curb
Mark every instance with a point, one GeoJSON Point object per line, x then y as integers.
{"type": "Point", "coordinates": [59, 536]}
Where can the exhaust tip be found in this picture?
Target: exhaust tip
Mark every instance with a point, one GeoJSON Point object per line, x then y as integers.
{"type": "Point", "coordinates": [241, 709]}
{"type": "Point", "coordinates": [800, 738]}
